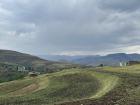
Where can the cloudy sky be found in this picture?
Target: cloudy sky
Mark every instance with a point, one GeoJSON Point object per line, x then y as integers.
{"type": "Point", "coordinates": [70, 27]}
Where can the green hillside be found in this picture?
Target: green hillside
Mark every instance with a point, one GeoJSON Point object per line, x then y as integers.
{"type": "Point", "coordinates": [99, 86]}
{"type": "Point", "coordinates": [69, 85]}
{"type": "Point", "coordinates": [32, 63]}
{"type": "Point", "coordinates": [122, 91]}
{"type": "Point", "coordinates": [15, 65]}
{"type": "Point", "coordinates": [29, 61]}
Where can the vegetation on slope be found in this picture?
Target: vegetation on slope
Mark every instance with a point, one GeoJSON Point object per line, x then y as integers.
{"type": "Point", "coordinates": [9, 72]}
{"type": "Point", "coordinates": [11, 75]}
{"type": "Point", "coordinates": [59, 87]}
{"type": "Point", "coordinates": [126, 92]}
{"type": "Point", "coordinates": [15, 65]}
{"type": "Point", "coordinates": [93, 86]}
{"type": "Point", "coordinates": [32, 63]}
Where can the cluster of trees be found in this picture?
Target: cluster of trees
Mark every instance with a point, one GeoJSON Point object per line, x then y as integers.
{"type": "Point", "coordinates": [9, 72]}
{"type": "Point", "coordinates": [11, 75]}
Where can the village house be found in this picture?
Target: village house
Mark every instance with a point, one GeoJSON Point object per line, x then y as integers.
{"type": "Point", "coordinates": [123, 64]}
{"type": "Point", "coordinates": [22, 69]}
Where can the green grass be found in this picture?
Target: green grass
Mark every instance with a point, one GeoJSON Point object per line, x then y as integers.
{"type": "Point", "coordinates": [68, 87]}
{"type": "Point", "coordinates": [108, 82]}
{"type": "Point", "coordinates": [64, 86]}
{"type": "Point", "coordinates": [10, 87]}
{"type": "Point", "coordinates": [107, 85]}
{"type": "Point", "coordinates": [128, 69]}
{"type": "Point", "coordinates": [125, 92]}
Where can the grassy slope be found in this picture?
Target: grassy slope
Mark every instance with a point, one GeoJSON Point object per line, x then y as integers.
{"type": "Point", "coordinates": [67, 85]}
{"type": "Point", "coordinates": [99, 86]}
{"type": "Point", "coordinates": [108, 83]}
{"type": "Point", "coordinates": [135, 69]}
{"type": "Point", "coordinates": [126, 92]}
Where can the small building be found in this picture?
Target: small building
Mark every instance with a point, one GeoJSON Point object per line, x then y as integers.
{"type": "Point", "coordinates": [21, 69]}
{"type": "Point", "coordinates": [33, 74]}
{"type": "Point", "coordinates": [123, 64]}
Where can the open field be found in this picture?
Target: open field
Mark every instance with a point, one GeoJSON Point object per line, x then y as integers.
{"type": "Point", "coordinates": [135, 69]}
{"type": "Point", "coordinates": [126, 92]}
{"type": "Point", "coordinates": [93, 86]}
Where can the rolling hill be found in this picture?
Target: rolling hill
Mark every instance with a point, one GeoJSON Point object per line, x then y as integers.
{"type": "Point", "coordinates": [15, 65]}
{"type": "Point", "coordinates": [21, 58]}
{"type": "Point", "coordinates": [93, 86]}
{"type": "Point", "coordinates": [69, 85]}
{"type": "Point", "coordinates": [31, 63]}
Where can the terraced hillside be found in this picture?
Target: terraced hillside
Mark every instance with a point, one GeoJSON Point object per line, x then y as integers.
{"type": "Point", "coordinates": [92, 86]}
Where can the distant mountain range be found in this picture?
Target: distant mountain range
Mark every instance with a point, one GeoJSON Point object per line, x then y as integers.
{"type": "Point", "coordinates": [62, 58]}
{"type": "Point", "coordinates": [111, 59]}
{"type": "Point", "coordinates": [51, 63]}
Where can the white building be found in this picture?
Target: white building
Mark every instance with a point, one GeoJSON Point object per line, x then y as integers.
{"type": "Point", "coordinates": [22, 69]}
{"type": "Point", "coordinates": [123, 64]}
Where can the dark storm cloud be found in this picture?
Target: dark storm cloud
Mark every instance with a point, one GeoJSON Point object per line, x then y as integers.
{"type": "Point", "coordinates": [57, 26]}
{"type": "Point", "coordinates": [121, 5]}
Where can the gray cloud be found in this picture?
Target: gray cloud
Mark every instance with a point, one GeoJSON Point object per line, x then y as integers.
{"type": "Point", "coordinates": [55, 26]}
{"type": "Point", "coordinates": [121, 5]}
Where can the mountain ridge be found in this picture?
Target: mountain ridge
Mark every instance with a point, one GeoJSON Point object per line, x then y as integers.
{"type": "Point", "coordinates": [95, 60]}
{"type": "Point", "coordinates": [110, 59]}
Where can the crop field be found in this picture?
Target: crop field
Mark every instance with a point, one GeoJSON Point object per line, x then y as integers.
{"type": "Point", "coordinates": [89, 86]}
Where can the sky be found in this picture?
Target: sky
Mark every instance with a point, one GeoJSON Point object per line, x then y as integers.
{"type": "Point", "coordinates": [70, 27]}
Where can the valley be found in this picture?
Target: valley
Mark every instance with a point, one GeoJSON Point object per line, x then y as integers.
{"type": "Point", "coordinates": [69, 52]}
